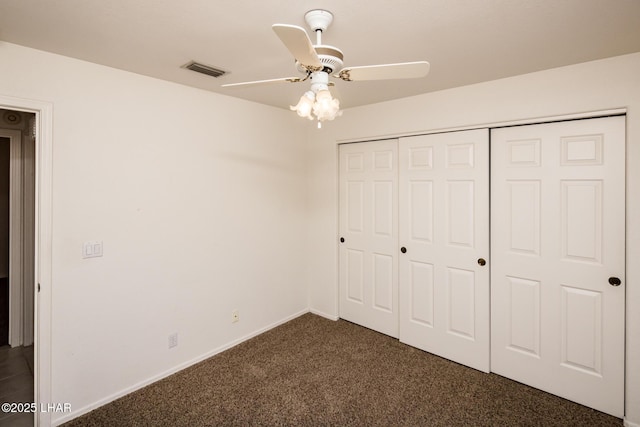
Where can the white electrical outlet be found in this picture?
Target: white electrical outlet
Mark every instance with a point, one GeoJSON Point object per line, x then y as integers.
{"type": "Point", "coordinates": [235, 316]}
{"type": "Point", "coordinates": [173, 340]}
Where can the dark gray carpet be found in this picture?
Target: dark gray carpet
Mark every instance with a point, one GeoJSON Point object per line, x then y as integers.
{"type": "Point", "coordinates": [316, 372]}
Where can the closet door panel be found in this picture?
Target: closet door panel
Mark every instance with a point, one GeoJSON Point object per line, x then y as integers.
{"type": "Point", "coordinates": [444, 227]}
{"type": "Point", "coordinates": [558, 236]}
{"type": "Point", "coordinates": [368, 224]}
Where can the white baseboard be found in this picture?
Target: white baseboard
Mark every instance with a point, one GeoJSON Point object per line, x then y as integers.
{"type": "Point", "coordinates": [325, 315]}
{"type": "Point", "coordinates": [180, 367]}
{"type": "Point", "coordinates": [628, 423]}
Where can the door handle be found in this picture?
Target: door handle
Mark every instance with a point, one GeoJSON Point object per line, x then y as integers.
{"type": "Point", "coordinates": [403, 250]}
{"type": "Point", "coordinates": [342, 240]}
{"type": "Point", "coordinates": [481, 261]}
{"type": "Point", "coordinates": [614, 281]}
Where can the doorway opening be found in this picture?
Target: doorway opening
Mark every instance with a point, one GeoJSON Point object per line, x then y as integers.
{"type": "Point", "coordinates": [43, 125]}
{"type": "Point", "coordinates": [17, 258]}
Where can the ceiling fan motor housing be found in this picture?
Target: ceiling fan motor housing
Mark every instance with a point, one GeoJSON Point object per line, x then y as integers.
{"type": "Point", "coordinates": [331, 57]}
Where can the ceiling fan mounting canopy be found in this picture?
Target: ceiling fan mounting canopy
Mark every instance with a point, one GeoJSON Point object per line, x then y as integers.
{"type": "Point", "coordinates": [318, 19]}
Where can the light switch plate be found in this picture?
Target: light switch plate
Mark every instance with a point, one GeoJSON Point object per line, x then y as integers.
{"type": "Point", "coordinates": [92, 249]}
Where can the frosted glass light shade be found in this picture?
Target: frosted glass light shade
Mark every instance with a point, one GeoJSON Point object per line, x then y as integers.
{"type": "Point", "coordinates": [305, 105]}
{"type": "Point", "coordinates": [326, 107]}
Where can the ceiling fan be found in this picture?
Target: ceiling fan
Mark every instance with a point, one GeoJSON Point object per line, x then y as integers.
{"type": "Point", "coordinates": [318, 62]}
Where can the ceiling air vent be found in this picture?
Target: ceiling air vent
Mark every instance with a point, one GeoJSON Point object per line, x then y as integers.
{"type": "Point", "coordinates": [204, 69]}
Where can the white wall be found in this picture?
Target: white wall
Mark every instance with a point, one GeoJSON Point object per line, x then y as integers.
{"type": "Point", "coordinates": [599, 85]}
{"type": "Point", "coordinates": [200, 202]}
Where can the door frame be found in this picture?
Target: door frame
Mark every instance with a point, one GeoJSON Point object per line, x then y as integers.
{"type": "Point", "coordinates": [42, 254]}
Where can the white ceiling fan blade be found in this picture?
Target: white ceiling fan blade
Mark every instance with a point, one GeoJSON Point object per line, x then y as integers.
{"type": "Point", "coordinates": [404, 70]}
{"type": "Point", "coordinates": [264, 82]}
{"type": "Point", "coordinates": [297, 41]}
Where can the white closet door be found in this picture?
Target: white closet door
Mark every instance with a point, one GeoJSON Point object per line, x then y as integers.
{"type": "Point", "coordinates": [369, 227]}
{"type": "Point", "coordinates": [558, 236]}
{"type": "Point", "coordinates": [444, 227]}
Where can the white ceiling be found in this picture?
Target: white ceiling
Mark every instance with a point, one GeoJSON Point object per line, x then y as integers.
{"type": "Point", "coordinates": [466, 41]}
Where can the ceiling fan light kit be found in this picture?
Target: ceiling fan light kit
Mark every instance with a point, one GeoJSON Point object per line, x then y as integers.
{"type": "Point", "coordinates": [318, 103]}
{"type": "Point", "coordinates": [319, 61]}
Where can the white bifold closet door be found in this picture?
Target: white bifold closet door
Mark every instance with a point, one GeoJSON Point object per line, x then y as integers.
{"type": "Point", "coordinates": [558, 258]}
{"type": "Point", "coordinates": [369, 228]}
{"type": "Point", "coordinates": [444, 239]}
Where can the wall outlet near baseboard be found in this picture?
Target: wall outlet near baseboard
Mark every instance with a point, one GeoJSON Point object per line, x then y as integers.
{"type": "Point", "coordinates": [173, 340]}
{"type": "Point", "coordinates": [235, 316]}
